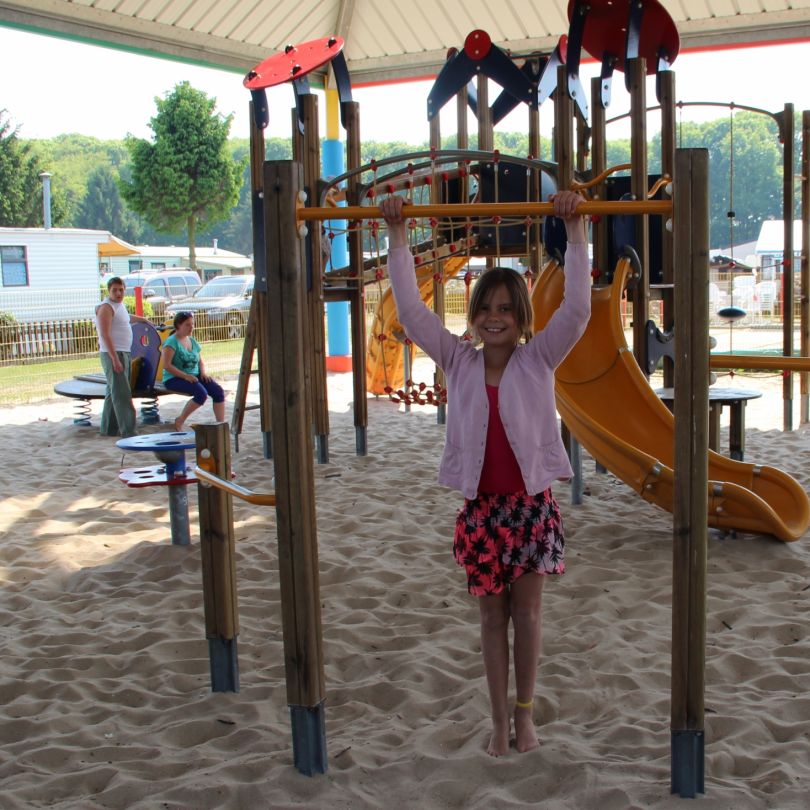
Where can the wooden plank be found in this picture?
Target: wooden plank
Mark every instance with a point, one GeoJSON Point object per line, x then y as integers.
{"type": "Point", "coordinates": [535, 234]}
{"type": "Point", "coordinates": [563, 131]}
{"type": "Point", "coordinates": [357, 306]}
{"type": "Point", "coordinates": [292, 438]}
{"type": "Point", "coordinates": [217, 538]}
{"type": "Point", "coordinates": [598, 165]}
{"type": "Point", "coordinates": [315, 322]}
{"type": "Point", "coordinates": [666, 78]}
{"type": "Point", "coordinates": [690, 533]}
{"type": "Point", "coordinates": [804, 318]}
{"type": "Point", "coordinates": [637, 77]}
{"type": "Point", "coordinates": [788, 197]}
{"type": "Point", "coordinates": [245, 370]}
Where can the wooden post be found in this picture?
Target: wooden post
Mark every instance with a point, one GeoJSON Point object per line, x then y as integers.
{"type": "Point", "coordinates": [563, 130]}
{"type": "Point", "coordinates": [598, 165]}
{"type": "Point", "coordinates": [438, 285]}
{"type": "Point", "coordinates": [668, 130]}
{"type": "Point", "coordinates": [218, 560]}
{"type": "Point", "coordinates": [564, 156]}
{"type": "Point", "coordinates": [804, 321]}
{"type": "Point", "coordinates": [690, 533]}
{"type": "Point", "coordinates": [637, 75]}
{"type": "Point", "coordinates": [257, 150]}
{"type": "Point", "coordinates": [315, 358]}
{"type": "Point", "coordinates": [295, 488]}
{"type": "Point", "coordinates": [357, 295]}
{"type": "Point", "coordinates": [535, 257]}
{"type": "Point", "coordinates": [787, 261]}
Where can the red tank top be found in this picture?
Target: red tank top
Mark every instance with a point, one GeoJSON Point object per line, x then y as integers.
{"type": "Point", "coordinates": [501, 472]}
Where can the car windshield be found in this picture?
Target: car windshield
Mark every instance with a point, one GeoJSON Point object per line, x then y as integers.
{"type": "Point", "coordinates": [221, 287]}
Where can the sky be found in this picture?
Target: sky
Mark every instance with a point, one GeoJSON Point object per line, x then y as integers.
{"type": "Point", "coordinates": [108, 93]}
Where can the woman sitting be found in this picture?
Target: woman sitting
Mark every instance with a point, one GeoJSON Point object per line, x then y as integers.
{"type": "Point", "coordinates": [184, 371]}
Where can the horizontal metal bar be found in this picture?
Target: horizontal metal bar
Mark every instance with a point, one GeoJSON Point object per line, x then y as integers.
{"type": "Point", "coordinates": [473, 210]}
{"type": "Point", "coordinates": [260, 498]}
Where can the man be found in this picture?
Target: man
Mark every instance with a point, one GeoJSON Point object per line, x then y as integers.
{"type": "Point", "coordinates": [115, 345]}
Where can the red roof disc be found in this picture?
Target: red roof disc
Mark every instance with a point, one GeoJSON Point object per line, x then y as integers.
{"type": "Point", "coordinates": [293, 62]}
{"type": "Point", "coordinates": [606, 31]}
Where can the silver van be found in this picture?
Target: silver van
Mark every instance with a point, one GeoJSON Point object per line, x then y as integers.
{"type": "Point", "coordinates": [164, 287]}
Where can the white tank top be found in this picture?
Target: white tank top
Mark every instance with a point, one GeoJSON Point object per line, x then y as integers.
{"type": "Point", "coordinates": [120, 329]}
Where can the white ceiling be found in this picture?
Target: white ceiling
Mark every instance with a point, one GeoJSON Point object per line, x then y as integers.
{"type": "Point", "coordinates": [384, 39]}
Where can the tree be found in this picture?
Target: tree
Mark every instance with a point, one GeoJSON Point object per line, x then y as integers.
{"type": "Point", "coordinates": [102, 208]}
{"type": "Point", "coordinates": [185, 176]}
{"type": "Point", "coordinates": [20, 186]}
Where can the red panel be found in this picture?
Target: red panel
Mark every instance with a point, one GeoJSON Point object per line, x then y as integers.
{"type": "Point", "coordinates": [293, 62]}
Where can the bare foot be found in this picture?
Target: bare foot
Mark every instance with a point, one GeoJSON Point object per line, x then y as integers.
{"type": "Point", "coordinates": [525, 735]}
{"type": "Point", "coordinates": [499, 741]}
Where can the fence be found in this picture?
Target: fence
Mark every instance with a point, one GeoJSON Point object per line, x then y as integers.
{"type": "Point", "coordinates": [36, 355]}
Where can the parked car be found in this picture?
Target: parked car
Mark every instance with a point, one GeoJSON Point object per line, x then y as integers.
{"type": "Point", "coordinates": [164, 287]}
{"type": "Point", "coordinates": [221, 302]}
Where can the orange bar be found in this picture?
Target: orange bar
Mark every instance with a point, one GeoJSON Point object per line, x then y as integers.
{"type": "Point", "coordinates": [765, 362]}
{"type": "Point", "coordinates": [473, 210]}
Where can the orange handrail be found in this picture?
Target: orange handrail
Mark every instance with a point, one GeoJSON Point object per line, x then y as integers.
{"type": "Point", "coordinates": [512, 209]}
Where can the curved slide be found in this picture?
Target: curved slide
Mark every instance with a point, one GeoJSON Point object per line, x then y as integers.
{"type": "Point", "coordinates": [384, 359]}
{"type": "Point", "coordinates": [608, 405]}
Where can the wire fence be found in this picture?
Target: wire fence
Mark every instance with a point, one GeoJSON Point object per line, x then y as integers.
{"type": "Point", "coordinates": [35, 354]}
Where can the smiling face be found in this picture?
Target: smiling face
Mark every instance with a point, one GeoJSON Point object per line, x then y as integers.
{"type": "Point", "coordinates": [495, 322]}
{"type": "Point", "coordinates": [500, 311]}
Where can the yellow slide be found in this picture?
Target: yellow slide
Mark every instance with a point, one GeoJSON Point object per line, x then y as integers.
{"type": "Point", "coordinates": [609, 406]}
{"type": "Point", "coordinates": [384, 358]}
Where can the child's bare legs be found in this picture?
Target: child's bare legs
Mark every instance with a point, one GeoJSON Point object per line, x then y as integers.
{"type": "Point", "coordinates": [219, 411]}
{"type": "Point", "coordinates": [495, 651]}
{"type": "Point", "coordinates": [526, 601]}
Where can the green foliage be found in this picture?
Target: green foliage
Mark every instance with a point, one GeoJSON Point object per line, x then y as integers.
{"type": "Point", "coordinates": [72, 158]}
{"type": "Point", "coordinates": [83, 195]}
{"type": "Point", "coordinates": [102, 208]}
{"type": "Point", "coordinates": [747, 181]}
{"type": "Point", "coordinates": [129, 303]}
{"type": "Point", "coordinates": [20, 186]}
{"type": "Point", "coordinates": [185, 176]}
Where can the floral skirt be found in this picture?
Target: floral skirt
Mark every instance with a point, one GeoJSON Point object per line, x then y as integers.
{"type": "Point", "coordinates": [499, 538]}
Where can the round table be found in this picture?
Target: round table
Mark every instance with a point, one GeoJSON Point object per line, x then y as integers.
{"type": "Point", "coordinates": [169, 448]}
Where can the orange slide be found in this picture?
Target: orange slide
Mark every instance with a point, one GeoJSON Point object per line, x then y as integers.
{"type": "Point", "coordinates": [384, 359]}
{"type": "Point", "coordinates": [607, 403]}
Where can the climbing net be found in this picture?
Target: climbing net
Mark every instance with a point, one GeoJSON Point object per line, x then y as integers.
{"type": "Point", "coordinates": [441, 247]}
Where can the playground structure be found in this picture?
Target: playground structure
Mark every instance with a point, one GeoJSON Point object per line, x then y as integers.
{"type": "Point", "coordinates": [292, 287]}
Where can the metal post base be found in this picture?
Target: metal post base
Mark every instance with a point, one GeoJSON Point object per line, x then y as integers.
{"type": "Point", "coordinates": [224, 662]}
{"type": "Point", "coordinates": [267, 442]}
{"type": "Point", "coordinates": [575, 453]}
{"type": "Point", "coordinates": [309, 738]}
{"type": "Point", "coordinates": [322, 447]}
{"type": "Point", "coordinates": [360, 442]}
{"type": "Point", "coordinates": [178, 515]}
{"type": "Point", "coordinates": [688, 752]}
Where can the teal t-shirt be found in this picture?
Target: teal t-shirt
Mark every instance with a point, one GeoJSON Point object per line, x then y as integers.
{"type": "Point", "coordinates": [187, 360]}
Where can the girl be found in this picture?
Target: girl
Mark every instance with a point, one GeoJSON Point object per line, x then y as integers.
{"type": "Point", "coordinates": [184, 371]}
{"type": "Point", "coordinates": [502, 450]}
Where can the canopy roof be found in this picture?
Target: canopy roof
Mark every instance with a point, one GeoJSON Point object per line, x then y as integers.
{"type": "Point", "coordinates": [116, 247]}
{"type": "Point", "coordinates": [384, 40]}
